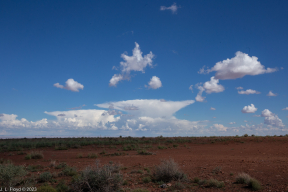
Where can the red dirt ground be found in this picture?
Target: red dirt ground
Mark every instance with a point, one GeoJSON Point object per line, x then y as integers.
{"type": "Point", "coordinates": [264, 158]}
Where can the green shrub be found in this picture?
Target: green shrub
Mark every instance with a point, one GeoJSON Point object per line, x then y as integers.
{"type": "Point", "coordinates": [196, 180]}
{"type": "Point", "coordinates": [179, 186]}
{"type": "Point", "coordinates": [80, 155]}
{"type": "Point", "coordinates": [61, 165]}
{"type": "Point", "coordinates": [92, 155]}
{"type": "Point", "coordinates": [45, 177]}
{"type": "Point", "coordinates": [245, 135]}
{"type": "Point", "coordinates": [144, 152]}
{"type": "Point", "coordinates": [168, 170]}
{"type": "Point", "coordinates": [147, 169]}
{"type": "Point", "coordinates": [61, 147]}
{"type": "Point", "coordinates": [125, 182]}
{"type": "Point", "coordinates": [215, 183]}
{"type": "Point", "coordinates": [243, 178]}
{"type": "Point", "coordinates": [62, 187]}
{"type": "Point", "coordinates": [46, 188]}
{"type": "Point", "coordinates": [106, 178]}
{"type": "Point", "coordinates": [69, 171]}
{"type": "Point", "coordinates": [254, 184]}
{"type": "Point", "coordinates": [5, 161]}
{"type": "Point", "coordinates": [175, 145]}
{"type": "Point", "coordinates": [216, 170]}
{"type": "Point", "coordinates": [162, 147]}
{"type": "Point", "coordinates": [103, 152]}
{"type": "Point", "coordinates": [11, 175]}
{"type": "Point", "coordinates": [146, 180]}
{"type": "Point", "coordinates": [34, 168]}
{"type": "Point", "coordinates": [34, 155]}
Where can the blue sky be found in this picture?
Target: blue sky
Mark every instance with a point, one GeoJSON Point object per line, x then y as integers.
{"type": "Point", "coordinates": [143, 68]}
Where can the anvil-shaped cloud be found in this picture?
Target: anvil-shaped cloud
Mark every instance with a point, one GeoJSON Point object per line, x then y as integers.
{"type": "Point", "coordinates": [148, 108]}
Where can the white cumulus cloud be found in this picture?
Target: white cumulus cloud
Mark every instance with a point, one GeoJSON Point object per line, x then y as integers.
{"type": "Point", "coordinates": [249, 91]}
{"type": "Point", "coordinates": [249, 109]}
{"type": "Point", "coordinates": [231, 123]}
{"type": "Point", "coordinates": [136, 62]}
{"type": "Point", "coordinates": [219, 127]}
{"type": "Point", "coordinates": [285, 108]}
{"type": "Point", "coordinates": [270, 94]}
{"type": "Point", "coordinates": [199, 96]}
{"type": "Point", "coordinates": [239, 88]}
{"type": "Point", "coordinates": [70, 85]}
{"type": "Point", "coordinates": [155, 83]}
{"type": "Point", "coordinates": [212, 86]}
{"type": "Point", "coordinates": [173, 8]}
{"type": "Point", "coordinates": [237, 67]}
{"type": "Point", "coordinates": [266, 113]}
{"type": "Point", "coordinates": [212, 108]}
{"type": "Point", "coordinates": [191, 88]}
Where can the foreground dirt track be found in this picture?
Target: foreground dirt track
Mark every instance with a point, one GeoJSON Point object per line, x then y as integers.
{"type": "Point", "coordinates": [264, 158]}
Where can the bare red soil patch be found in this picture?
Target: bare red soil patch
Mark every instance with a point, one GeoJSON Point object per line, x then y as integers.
{"type": "Point", "coordinates": [264, 158]}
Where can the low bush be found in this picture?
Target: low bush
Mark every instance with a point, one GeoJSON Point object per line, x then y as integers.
{"type": "Point", "coordinates": [46, 188]}
{"type": "Point", "coordinates": [62, 187]}
{"type": "Point", "coordinates": [146, 180]}
{"type": "Point", "coordinates": [254, 184]}
{"type": "Point", "coordinates": [11, 175]}
{"type": "Point", "coordinates": [69, 171]}
{"type": "Point", "coordinates": [92, 155]}
{"type": "Point", "coordinates": [45, 177]}
{"type": "Point", "coordinates": [61, 165]}
{"type": "Point", "coordinates": [244, 178]}
{"type": "Point", "coordinates": [168, 170]}
{"type": "Point", "coordinates": [34, 155]}
{"type": "Point", "coordinates": [34, 168]}
{"type": "Point", "coordinates": [215, 183]}
{"type": "Point", "coordinates": [61, 147]}
{"type": "Point", "coordinates": [106, 178]}
{"type": "Point", "coordinates": [144, 152]}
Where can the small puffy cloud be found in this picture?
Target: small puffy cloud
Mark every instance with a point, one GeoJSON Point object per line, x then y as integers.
{"type": "Point", "coordinates": [249, 91]}
{"type": "Point", "coordinates": [136, 62]}
{"type": "Point", "coordinates": [282, 109]}
{"type": "Point", "coordinates": [245, 121]}
{"type": "Point", "coordinates": [155, 83]}
{"type": "Point", "coordinates": [212, 86]}
{"type": "Point", "coordinates": [270, 94]}
{"type": "Point", "coordinates": [231, 123]}
{"type": "Point", "coordinates": [173, 8]}
{"type": "Point", "coordinates": [239, 88]}
{"type": "Point", "coordinates": [219, 127]}
{"type": "Point", "coordinates": [62, 114]}
{"type": "Point", "coordinates": [70, 85]}
{"type": "Point", "coordinates": [273, 121]}
{"type": "Point", "coordinates": [115, 79]}
{"type": "Point", "coordinates": [212, 108]}
{"type": "Point", "coordinates": [237, 67]}
{"type": "Point", "coordinates": [266, 113]}
{"type": "Point", "coordinates": [249, 109]}
{"type": "Point", "coordinates": [199, 96]}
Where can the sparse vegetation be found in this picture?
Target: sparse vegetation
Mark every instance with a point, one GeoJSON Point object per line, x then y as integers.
{"type": "Point", "coordinates": [168, 170]}
{"type": "Point", "coordinates": [144, 152]}
{"type": "Point", "coordinates": [34, 155]}
{"type": "Point", "coordinates": [11, 175]}
{"type": "Point", "coordinates": [61, 165]}
{"type": "Point", "coordinates": [216, 170]}
{"type": "Point", "coordinates": [244, 178]}
{"type": "Point", "coordinates": [106, 179]}
{"type": "Point", "coordinates": [45, 177]}
{"type": "Point", "coordinates": [46, 188]}
{"type": "Point", "coordinates": [69, 171]}
{"type": "Point", "coordinates": [214, 183]}
{"type": "Point", "coordinates": [92, 155]}
{"type": "Point", "coordinates": [146, 180]}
